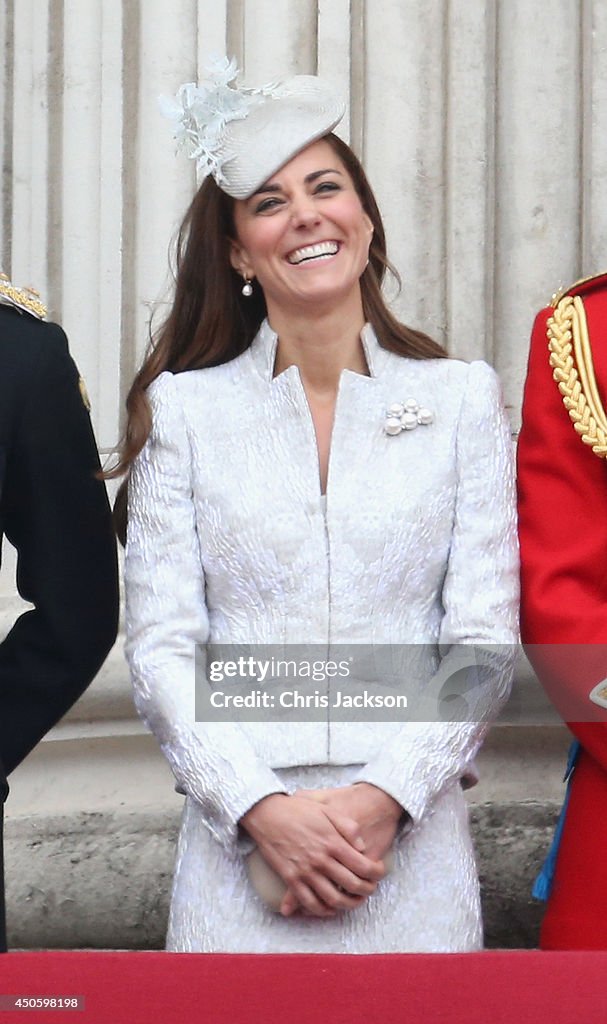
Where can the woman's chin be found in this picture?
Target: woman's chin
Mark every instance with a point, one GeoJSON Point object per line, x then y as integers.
{"type": "Point", "coordinates": [320, 295]}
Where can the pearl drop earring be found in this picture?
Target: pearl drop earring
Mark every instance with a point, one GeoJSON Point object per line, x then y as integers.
{"type": "Point", "coordinates": [247, 288]}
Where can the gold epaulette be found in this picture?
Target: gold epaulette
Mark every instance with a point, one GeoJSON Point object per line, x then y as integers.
{"type": "Point", "coordinates": [573, 366]}
{"type": "Point", "coordinates": [561, 290]}
{"type": "Point", "coordinates": [25, 299]}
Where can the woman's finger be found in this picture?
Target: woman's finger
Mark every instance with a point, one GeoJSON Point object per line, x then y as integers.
{"type": "Point", "coordinates": [307, 899]}
{"type": "Point", "coordinates": [347, 827]}
{"type": "Point", "coordinates": [333, 896]}
{"type": "Point", "coordinates": [290, 904]}
{"type": "Point", "coordinates": [349, 882]}
{"type": "Point", "coordinates": [352, 854]}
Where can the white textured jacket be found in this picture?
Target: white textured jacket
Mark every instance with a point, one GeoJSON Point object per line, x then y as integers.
{"type": "Point", "coordinates": [227, 542]}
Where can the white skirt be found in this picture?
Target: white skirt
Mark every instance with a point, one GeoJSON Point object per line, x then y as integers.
{"type": "Point", "coordinates": [429, 903]}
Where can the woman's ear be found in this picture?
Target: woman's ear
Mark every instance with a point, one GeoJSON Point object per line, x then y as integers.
{"type": "Point", "coordinates": [240, 260]}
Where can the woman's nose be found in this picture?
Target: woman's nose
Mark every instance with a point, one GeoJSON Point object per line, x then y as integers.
{"type": "Point", "coordinates": [304, 211]}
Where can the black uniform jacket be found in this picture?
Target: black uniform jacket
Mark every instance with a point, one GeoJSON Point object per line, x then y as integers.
{"type": "Point", "coordinates": [56, 514]}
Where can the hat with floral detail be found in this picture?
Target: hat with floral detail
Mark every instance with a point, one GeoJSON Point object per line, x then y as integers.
{"type": "Point", "coordinates": [241, 136]}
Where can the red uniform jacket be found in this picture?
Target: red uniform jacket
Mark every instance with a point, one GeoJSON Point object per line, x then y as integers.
{"type": "Point", "coordinates": [563, 533]}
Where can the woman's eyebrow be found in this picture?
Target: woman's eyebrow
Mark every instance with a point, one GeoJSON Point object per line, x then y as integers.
{"type": "Point", "coordinates": [273, 186]}
{"type": "Point", "coordinates": [269, 187]}
{"type": "Point", "coordinates": [317, 174]}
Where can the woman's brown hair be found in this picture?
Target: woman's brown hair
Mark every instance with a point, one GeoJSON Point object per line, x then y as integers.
{"type": "Point", "coordinates": [211, 322]}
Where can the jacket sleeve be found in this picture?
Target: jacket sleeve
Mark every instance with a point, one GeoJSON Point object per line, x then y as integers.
{"type": "Point", "coordinates": [167, 618]}
{"type": "Point", "coordinates": [57, 516]}
{"type": "Point", "coordinates": [563, 533]}
{"type": "Point", "coordinates": [480, 600]}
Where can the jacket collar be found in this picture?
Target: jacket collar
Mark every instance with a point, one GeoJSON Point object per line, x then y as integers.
{"type": "Point", "coordinates": [263, 352]}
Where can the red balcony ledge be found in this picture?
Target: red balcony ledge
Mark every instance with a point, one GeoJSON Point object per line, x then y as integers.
{"type": "Point", "coordinates": [179, 988]}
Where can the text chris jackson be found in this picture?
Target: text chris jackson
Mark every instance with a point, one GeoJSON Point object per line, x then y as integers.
{"type": "Point", "coordinates": [317, 699]}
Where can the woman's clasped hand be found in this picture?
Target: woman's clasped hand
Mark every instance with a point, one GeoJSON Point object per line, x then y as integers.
{"type": "Point", "coordinates": [316, 851]}
{"type": "Point", "coordinates": [327, 844]}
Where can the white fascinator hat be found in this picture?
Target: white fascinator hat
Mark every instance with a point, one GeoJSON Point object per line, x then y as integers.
{"type": "Point", "coordinates": [242, 136]}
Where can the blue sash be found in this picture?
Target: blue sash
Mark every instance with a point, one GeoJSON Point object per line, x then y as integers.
{"type": "Point", "coordinates": [543, 883]}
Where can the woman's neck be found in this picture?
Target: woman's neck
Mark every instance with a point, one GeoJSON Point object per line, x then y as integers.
{"type": "Point", "coordinates": [321, 346]}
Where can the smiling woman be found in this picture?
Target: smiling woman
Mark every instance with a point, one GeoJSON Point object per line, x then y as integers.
{"type": "Point", "coordinates": [272, 502]}
{"type": "Point", "coordinates": [305, 236]}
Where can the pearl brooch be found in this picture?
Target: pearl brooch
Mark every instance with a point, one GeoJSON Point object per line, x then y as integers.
{"type": "Point", "coordinates": [406, 416]}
